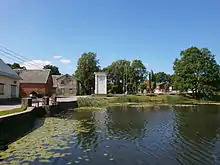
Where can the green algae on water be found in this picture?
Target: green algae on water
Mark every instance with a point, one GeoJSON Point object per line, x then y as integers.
{"type": "Point", "coordinates": [76, 161]}
{"type": "Point", "coordinates": [44, 143]}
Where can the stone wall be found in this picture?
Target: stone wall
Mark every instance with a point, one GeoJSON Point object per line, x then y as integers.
{"type": "Point", "coordinates": [15, 126]}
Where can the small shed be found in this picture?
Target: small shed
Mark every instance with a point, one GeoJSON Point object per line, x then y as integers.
{"type": "Point", "coordinates": [100, 83]}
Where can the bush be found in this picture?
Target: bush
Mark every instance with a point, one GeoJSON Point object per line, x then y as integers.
{"type": "Point", "coordinates": [91, 102]}
{"type": "Point", "coordinates": [130, 99]}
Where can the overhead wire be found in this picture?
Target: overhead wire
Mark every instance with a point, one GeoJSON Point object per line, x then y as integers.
{"type": "Point", "coordinates": [17, 57]}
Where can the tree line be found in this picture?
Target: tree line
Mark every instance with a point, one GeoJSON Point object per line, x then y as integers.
{"type": "Point", "coordinates": [54, 70]}
{"type": "Point", "coordinates": [195, 70]}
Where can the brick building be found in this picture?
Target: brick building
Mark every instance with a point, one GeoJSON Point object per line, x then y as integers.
{"type": "Point", "coordinates": [37, 82]}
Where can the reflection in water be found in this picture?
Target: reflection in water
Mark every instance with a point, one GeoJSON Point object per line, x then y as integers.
{"type": "Point", "coordinates": [124, 125]}
{"type": "Point", "coordinates": [197, 132]}
{"type": "Point", "coordinates": [180, 135]}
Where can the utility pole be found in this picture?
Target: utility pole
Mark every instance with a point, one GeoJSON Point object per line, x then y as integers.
{"type": "Point", "coordinates": [126, 80]}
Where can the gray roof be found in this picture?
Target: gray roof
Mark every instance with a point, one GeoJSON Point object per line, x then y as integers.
{"type": "Point", "coordinates": [55, 77]}
{"type": "Point", "coordinates": [6, 71]}
{"type": "Point", "coordinates": [34, 76]}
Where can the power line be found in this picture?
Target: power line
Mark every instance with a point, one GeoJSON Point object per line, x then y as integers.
{"type": "Point", "coordinates": [25, 58]}
{"type": "Point", "coordinates": [16, 59]}
{"type": "Point", "coordinates": [22, 57]}
{"type": "Point", "coordinates": [9, 59]}
{"type": "Point", "coordinates": [19, 57]}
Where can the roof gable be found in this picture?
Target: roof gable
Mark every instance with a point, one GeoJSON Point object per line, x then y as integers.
{"type": "Point", "coordinates": [35, 76]}
{"type": "Point", "coordinates": [6, 71]}
{"type": "Point", "coordinates": [55, 77]}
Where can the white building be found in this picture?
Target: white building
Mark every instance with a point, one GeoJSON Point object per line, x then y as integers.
{"type": "Point", "coordinates": [9, 82]}
{"type": "Point", "coordinates": [100, 83]}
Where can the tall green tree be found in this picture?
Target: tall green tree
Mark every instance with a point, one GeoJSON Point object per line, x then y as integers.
{"type": "Point", "coordinates": [118, 75]}
{"type": "Point", "coordinates": [16, 66]}
{"type": "Point", "coordinates": [198, 71]}
{"type": "Point", "coordinates": [138, 74]}
{"type": "Point", "coordinates": [143, 86]}
{"type": "Point", "coordinates": [54, 70]}
{"type": "Point", "coordinates": [162, 77]}
{"type": "Point", "coordinates": [125, 76]}
{"type": "Point", "coordinates": [86, 66]}
{"type": "Point", "coordinates": [152, 80]}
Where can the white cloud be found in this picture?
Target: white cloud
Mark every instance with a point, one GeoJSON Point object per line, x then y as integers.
{"type": "Point", "coordinates": [66, 61]}
{"type": "Point", "coordinates": [35, 64]}
{"type": "Point", "coordinates": [57, 57]}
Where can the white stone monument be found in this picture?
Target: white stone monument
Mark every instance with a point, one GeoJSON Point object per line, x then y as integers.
{"type": "Point", "coordinates": [100, 83]}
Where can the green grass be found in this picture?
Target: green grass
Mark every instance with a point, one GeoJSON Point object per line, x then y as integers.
{"type": "Point", "coordinates": [151, 99]}
{"type": "Point", "coordinates": [100, 102]}
{"type": "Point", "coordinates": [92, 102]}
{"type": "Point", "coordinates": [16, 110]}
{"type": "Point", "coordinates": [81, 109]}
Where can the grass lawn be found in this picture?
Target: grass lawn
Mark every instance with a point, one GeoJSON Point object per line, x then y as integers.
{"type": "Point", "coordinates": [101, 102]}
{"type": "Point", "coordinates": [7, 112]}
{"type": "Point", "coordinates": [152, 99]}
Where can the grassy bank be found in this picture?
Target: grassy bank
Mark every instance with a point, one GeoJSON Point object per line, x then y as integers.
{"type": "Point", "coordinates": [11, 111]}
{"type": "Point", "coordinates": [152, 99]}
{"type": "Point", "coordinates": [97, 103]}
{"type": "Point", "coordinates": [91, 103]}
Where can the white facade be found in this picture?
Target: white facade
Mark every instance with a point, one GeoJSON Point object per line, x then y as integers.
{"type": "Point", "coordinates": [9, 82]}
{"type": "Point", "coordinates": [100, 83]}
{"type": "Point", "coordinates": [9, 88]}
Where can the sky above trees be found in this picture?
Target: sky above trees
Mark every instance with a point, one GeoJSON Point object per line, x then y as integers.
{"type": "Point", "coordinates": [152, 31]}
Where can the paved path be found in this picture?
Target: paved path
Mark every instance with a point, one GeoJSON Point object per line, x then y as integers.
{"type": "Point", "coordinates": [71, 98]}
{"type": "Point", "coordinates": [64, 99]}
{"type": "Point", "coordinates": [9, 107]}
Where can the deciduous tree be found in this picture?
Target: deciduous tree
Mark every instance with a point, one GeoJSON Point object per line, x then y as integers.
{"type": "Point", "coordinates": [54, 70]}
{"type": "Point", "coordinates": [198, 71]}
{"type": "Point", "coordinates": [16, 66]}
{"type": "Point", "coordinates": [86, 66]}
{"type": "Point", "coordinates": [162, 77]}
{"type": "Point", "coordinates": [138, 74]}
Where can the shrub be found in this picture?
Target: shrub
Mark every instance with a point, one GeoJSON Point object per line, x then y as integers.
{"type": "Point", "coordinates": [91, 102]}
{"type": "Point", "coordinates": [130, 99]}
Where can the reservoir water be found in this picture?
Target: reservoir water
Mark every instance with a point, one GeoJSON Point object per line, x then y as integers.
{"type": "Point", "coordinates": [122, 136]}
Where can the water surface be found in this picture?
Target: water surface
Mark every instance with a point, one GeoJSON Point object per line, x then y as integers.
{"type": "Point", "coordinates": [131, 136]}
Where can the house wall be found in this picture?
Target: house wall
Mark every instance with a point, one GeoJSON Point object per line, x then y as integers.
{"type": "Point", "coordinates": [100, 83]}
{"type": "Point", "coordinates": [27, 88]}
{"type": "Point", "coordinates": [49, 86]}
{"type": "Point", "coordinates": [69, 85]}
{"type": "Point", "coordinates": [7, 87]}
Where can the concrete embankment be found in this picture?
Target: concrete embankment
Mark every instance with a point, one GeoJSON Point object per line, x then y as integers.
{"type": "Point", "coordinates": [17, 125]}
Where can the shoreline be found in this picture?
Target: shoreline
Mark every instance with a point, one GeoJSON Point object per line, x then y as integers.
{"type": "Point", "coordinates": [99, 103]}
{"type": "Point", "coordinates": [141, 105]}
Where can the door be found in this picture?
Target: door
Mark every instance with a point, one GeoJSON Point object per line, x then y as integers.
{"type": "Point", "coordinates": [13, 91]}
{"type": "Point", "coordinates": [101, 85]}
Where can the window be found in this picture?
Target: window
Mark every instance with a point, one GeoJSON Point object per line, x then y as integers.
{"type": "Point", "coordinates": [62, 82]}
{"type": "Point", "coordinates": [1, 89]}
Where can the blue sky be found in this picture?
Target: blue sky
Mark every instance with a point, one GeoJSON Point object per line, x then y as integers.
{"type": "Point", "coordinates": [154, 31]}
